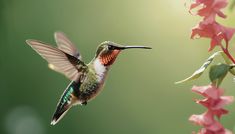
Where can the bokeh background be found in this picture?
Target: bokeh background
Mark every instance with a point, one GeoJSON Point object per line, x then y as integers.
{"type": "Point", "coordinates": [139, 96]}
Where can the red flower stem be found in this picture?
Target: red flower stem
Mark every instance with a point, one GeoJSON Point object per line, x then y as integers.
{"type": "Point", "coordinates": [225, 50]}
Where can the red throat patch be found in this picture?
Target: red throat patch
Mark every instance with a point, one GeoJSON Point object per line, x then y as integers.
{"type": "Point", "coordinates": [109, 58]}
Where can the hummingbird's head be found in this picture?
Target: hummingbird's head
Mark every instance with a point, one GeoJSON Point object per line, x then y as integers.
{"type": "Point", "coordinates": [108, 51]}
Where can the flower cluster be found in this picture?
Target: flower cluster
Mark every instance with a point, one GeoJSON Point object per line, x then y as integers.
{"type": "Point", "coordinates": [208, 27]}
{"type": "Point", "coordinates": [214, 102]}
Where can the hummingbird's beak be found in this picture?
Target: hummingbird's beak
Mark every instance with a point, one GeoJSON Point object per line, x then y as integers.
{"type": "Point", "coordinates": [129, 47]}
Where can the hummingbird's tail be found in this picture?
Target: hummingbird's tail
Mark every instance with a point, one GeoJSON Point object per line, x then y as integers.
{"type": "Point", "coordinates": [67, 100]}
{"type": "Point", "coordinates": [59, 114]}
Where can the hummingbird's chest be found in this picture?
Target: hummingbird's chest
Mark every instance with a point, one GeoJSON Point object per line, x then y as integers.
{"type": "Point", "coordinates": [90, 89]}
{"type": "Point", "coordinates": [93, 83]}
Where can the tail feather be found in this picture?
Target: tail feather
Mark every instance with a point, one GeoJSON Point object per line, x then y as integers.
{"type": "Point", "coordinates": [58, 115]}
{"type": "Point", "coordinates": [67, 100]}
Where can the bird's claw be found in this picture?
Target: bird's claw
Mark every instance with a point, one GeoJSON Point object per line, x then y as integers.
{"type": "Point", "coordinates": [84, 103]}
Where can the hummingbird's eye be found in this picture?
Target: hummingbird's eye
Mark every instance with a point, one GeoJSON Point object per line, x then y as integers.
{"type": "Point", "coordinates": [110, 47]}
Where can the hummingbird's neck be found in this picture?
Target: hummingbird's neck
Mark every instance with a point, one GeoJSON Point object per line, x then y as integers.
{"type": "Point", "coordinates": [108, 58]}
{"type": "Point", "coordinates": [102, 62]}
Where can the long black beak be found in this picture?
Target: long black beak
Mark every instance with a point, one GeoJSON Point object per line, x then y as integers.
{"type": "Point", "coordinates": [129, 47]}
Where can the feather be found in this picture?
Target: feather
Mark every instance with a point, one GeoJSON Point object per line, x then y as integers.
{"type": "Point", "coordinates": [58, 60]}
{"type": "Point", "coordinates": [66, 45]}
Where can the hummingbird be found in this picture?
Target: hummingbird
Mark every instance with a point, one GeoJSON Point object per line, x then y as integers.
{"type": "Point", "coordinates": [87, 80]}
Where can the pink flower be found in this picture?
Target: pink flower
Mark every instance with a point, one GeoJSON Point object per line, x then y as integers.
{"type": "Point", "coordinates": [208, 27]}
{"type": "Point", "coordinates": [214, 31]}
{"type": "Point", "coordinates": [214, 102]}
{"type": "Point", "coordinates": [210, 8]}
{"type": "Point", "coordinates": [208, 91]}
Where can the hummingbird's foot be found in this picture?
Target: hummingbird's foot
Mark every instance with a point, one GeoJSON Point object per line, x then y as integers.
{"type": "Point", "coordinates": [84, 103]}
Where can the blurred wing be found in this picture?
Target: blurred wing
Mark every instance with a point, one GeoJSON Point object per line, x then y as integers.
{"type": "Point", "coordinates": [66, 45]}
{"type": "Point", "coordinates": [58, 60]}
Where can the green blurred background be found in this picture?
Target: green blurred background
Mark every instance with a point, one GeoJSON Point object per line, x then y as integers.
{"type": "Point", "coordinates": [139, 96]}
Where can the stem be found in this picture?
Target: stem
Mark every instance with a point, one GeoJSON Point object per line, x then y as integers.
{"type": "Point", "coordinates": [225, 50]}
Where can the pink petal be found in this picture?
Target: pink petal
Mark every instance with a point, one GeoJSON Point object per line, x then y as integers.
{"type": "Point", "coordinates": [224, 100]}
{"type": "Point", "coordinates": [208, 91]}
{"type": "Point", "coordinates": [220, 112]}
{"type": "Point", "coordinates": [202, 119]}
{"type": "Point", "coordinates": [215, 127]}
{"type": "Point", "coordinates": [215, 104]}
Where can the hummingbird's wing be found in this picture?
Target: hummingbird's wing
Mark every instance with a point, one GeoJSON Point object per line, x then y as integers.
{"type": "Point", "coordinates": [66, 45]}
{"type": "Point", "coordinates": [58, 60]}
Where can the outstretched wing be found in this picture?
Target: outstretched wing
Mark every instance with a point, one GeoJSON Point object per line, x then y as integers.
{"type": "Point", "coordinates": [58, 60]}
{"type": "Point", "coordinates": [66, 45]}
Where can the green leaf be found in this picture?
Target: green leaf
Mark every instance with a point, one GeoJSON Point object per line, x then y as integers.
{"type": "Point", "coordinates": [229, 62]}
{"type": "Point", "coordinates": [199, 72]}
{"type": "Point", "coordinates": [218, 72]}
